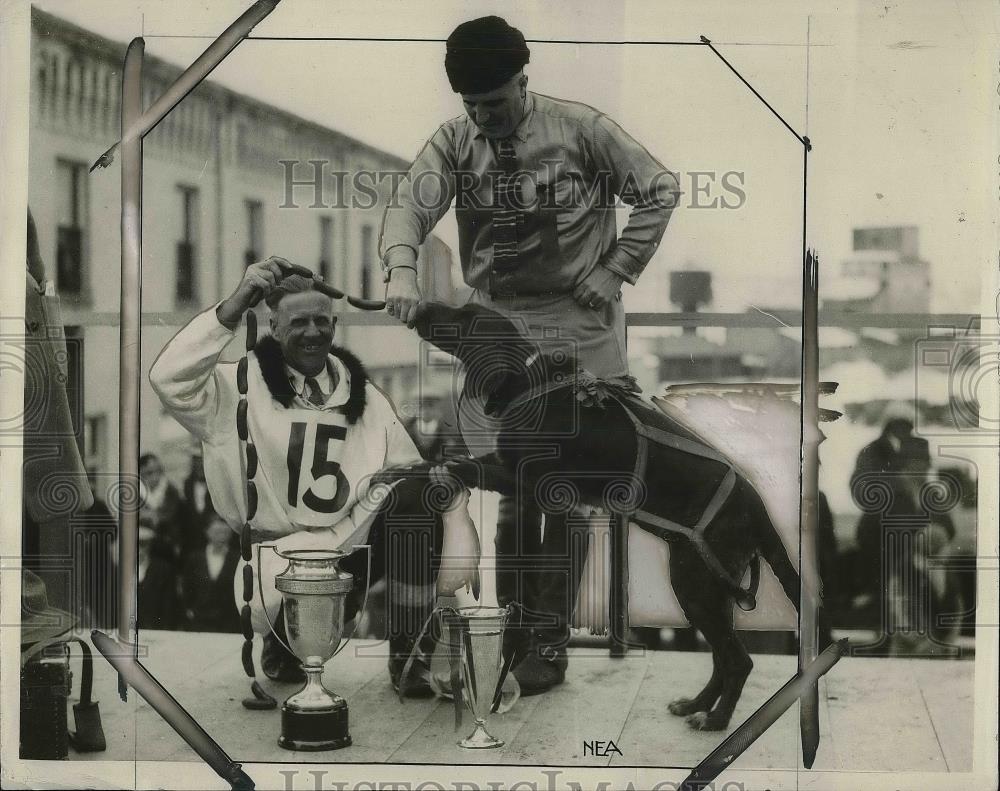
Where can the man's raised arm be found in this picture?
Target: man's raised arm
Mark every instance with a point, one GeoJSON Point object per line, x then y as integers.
{"type": "Point", "coordinates": [185, 375]}
{"type": "Point", "coordinates": [420, 201]}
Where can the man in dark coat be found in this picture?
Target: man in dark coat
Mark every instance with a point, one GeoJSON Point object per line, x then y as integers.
{"type": "Point", "coordinates": [207, 582]}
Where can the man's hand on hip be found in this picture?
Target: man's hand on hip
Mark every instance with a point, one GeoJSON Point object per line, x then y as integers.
{"type": "Point", "coordinates": [402, 295]}
{"type": "Point", "coordinates": [599, 288]}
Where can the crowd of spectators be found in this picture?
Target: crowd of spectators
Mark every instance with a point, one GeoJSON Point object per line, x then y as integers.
{"type": "Point", "coordinates": [187, 556]}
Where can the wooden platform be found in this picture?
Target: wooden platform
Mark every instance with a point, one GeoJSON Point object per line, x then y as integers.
{"type": "Point", "coordinates": [876, 714]}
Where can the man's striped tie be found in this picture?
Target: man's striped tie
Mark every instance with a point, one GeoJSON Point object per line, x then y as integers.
{"type": "Point", "coordinates": [316, 397]}
{"type": "Point", "coordinates": [506, 200]}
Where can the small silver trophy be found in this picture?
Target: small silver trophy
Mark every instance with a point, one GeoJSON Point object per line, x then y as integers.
{"type": "Point", "coordinates": [313, 589]}
{"type": "Point", "coordinates": [479, 633]}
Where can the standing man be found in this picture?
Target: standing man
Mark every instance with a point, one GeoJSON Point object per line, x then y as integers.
{"type": "Point", "coordinates": [534, 181]}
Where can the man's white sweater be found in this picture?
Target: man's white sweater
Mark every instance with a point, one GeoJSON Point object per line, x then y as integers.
{"type": "Point", "coordinates": [315, 465]}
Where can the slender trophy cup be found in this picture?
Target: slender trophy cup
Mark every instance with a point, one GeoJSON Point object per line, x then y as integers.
{"type": "Point", "coordinates": [313, 589]}
{"type": "Point", "coordinates": [481, 655]}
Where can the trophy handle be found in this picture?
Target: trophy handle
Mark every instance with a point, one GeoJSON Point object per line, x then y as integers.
{"type": "Point", "coordinates": [263, 604]}
{"type": "Point", "coordinates": [364, 602]}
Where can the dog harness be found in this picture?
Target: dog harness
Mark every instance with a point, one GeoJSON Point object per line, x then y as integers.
{"type": "Point", "coordinates": [591, 391]}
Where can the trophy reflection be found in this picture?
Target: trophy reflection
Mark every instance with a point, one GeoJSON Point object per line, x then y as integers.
{"type": "Point", "coordinates": [313, 589]}
{"type": "Point", "coordinates": [481, 655]}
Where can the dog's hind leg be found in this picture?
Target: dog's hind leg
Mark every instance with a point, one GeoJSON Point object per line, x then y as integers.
{"type": "Point", "coordinates": [708, 605]}
{"type": "Point", "coordinates": [686, 574]}
{"type": "Point", "coordinates": [731, 660]}
{"type": "Point", "coordinates": [704, 700]}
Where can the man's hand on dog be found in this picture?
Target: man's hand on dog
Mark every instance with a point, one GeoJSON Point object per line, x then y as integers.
{"type": "Point", "coordinates": [441, 475]}
{"type": "Point", "coordinates": [402, 294]}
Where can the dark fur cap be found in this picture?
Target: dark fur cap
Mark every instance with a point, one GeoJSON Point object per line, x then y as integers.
{"type": "Point", "coordinates": [483, 54]}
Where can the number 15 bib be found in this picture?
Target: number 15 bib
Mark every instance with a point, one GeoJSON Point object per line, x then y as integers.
{"type": "Point", "coordinates": [300, 452]}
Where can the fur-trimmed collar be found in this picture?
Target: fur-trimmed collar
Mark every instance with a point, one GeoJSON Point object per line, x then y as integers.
{"type": "Point", "coordinates": [272, 368]}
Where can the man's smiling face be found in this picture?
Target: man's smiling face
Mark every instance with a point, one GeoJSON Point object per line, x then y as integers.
{"type": "Point", "coordinates": [303, 325]}
{"type": "Point", "coordinates": [498, 112]}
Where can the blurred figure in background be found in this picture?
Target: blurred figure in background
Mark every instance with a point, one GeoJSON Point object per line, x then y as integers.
{"type": "Point", "coordinates": [162, 509]}
{"type": "Point", "coordinates": [207, 582]}
{"type": "Point", "coordinates": [905, 531]}
{"type": "Point", "coordinates": [919, 590]}
{"type": "Point", "coordinates": [826, 539]}
{"type": "Point", "coordinates": [198, 507]}
{"type": "Point", "coordinates": [880, 464]}
{"type": "Point", "coordinates": [156, 594]}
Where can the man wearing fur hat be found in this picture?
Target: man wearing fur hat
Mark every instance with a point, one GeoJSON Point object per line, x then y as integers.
{"type": "Point", "coordinates": [534, 181]}
{"type": "Point", "coordinates": [321, 430]}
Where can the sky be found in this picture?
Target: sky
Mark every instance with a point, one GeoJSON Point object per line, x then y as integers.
{"type": "Point", "coordinates": [897, 99]}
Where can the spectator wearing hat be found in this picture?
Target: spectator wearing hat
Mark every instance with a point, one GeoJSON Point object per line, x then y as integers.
{"type": "Point", "coordinates": [43, 709]}
{"type": "Point", "coordinates": [881, 462]}
{"type": "Point", "coordinates": [534, 180]}
{"type": "Point", "coordinates": [899, 533]}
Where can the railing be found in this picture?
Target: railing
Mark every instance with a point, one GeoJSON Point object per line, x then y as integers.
{"type": "Point", "coordinates": [758, 319]}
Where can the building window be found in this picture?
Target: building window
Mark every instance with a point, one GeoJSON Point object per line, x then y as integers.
{"type": "Point", "coordinates": [325, 247]}
{"type": "Point", "coordinates": [255, 231]}
{"type": "Point", "coordinates": [71, 224]}
{"type": "Point", "coordinates": [367, 251]}
{"type": "Point", "coordinates": [186, 281]}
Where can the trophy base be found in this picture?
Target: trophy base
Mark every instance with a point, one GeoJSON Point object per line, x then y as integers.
{"type": "Point", "coordinates": [479, 739]}
{"type": "Point", "coordinates": [312, 730]}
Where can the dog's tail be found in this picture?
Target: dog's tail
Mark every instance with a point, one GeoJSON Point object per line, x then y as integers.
{"type": "Point", "coordinates": [772, 549]}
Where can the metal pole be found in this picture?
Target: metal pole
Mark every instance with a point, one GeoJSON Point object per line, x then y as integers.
{"type": "Point", "coordinates": [153, 692]}
{"type": "Point", "coordinates": [131, 300]}
{"type": "Point", "coordinates": [810, 584]}
{"type": "Point", "coordinates": [217, 51]}
{"type": "Point", "coordinates": [734, 745]}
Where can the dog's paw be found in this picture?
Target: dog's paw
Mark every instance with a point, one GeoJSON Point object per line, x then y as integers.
{"type": "Point", "coordinates": [704, 721]}
{"type": "Point", "coordinates": [681, 707]}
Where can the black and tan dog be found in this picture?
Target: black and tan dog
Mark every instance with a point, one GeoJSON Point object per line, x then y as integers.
{"type": "Point", "coordinates": [690, 495]}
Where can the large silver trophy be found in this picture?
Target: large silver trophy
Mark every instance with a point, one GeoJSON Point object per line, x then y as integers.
{"type": "Point", "coordinates": [313, 589]}
{"type": "Point", "coordinates": [479, 634]}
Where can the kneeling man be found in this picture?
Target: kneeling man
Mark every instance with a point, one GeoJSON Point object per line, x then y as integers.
{"type": "Point", "coordinates": [321, 430]}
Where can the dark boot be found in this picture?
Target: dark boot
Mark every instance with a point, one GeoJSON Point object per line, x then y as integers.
{"type": "Point", "coordinates": [517, 541]}
{"type": "Point", "coordinates": [545, 664]}
{"type": "Point", "coordinates": [551, 597]}
{"type": "Point", "coordinates": [417, 683]}
{"type": "Point", "coordinates": [277, 662]}
{"type": "Point", "coordinates": [407, 625]}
